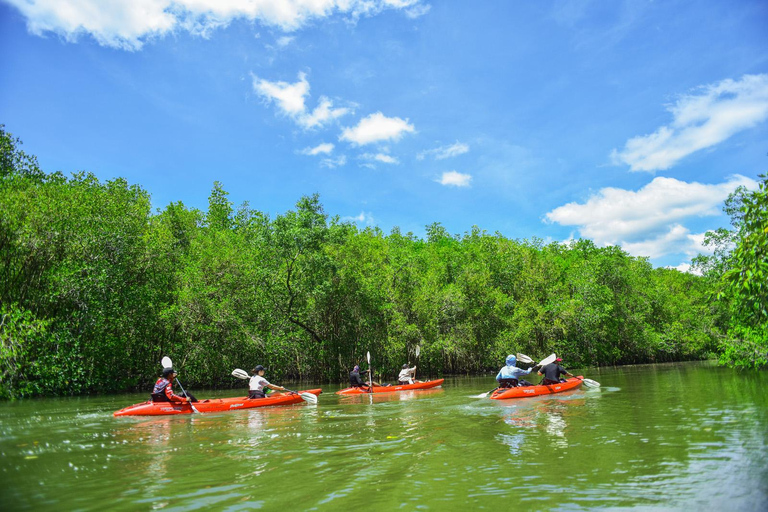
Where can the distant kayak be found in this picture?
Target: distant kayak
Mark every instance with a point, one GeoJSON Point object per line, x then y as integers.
{"type": "Point", "coordinates": [391, 389]}
{"type": "Point", "coordinates": [524, 391]}
{"type": "Point", "coordinates": [213, 405]}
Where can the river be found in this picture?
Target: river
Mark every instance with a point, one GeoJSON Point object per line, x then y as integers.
{"type": "Point", "coordinates": [653, 437]}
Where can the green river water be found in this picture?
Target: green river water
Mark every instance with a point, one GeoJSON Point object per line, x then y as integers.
{"type": "Point", "coordinates": [654, 437]}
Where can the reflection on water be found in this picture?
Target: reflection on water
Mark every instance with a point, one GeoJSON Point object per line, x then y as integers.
{"type": "Point", "coordinates": [655, 437]}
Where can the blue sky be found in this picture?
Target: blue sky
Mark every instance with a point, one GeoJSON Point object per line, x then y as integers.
{"type": "Point", "coordinates": [626, 122]}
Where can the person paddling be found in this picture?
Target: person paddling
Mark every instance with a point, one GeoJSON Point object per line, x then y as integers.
{"type": "Point", "coordinates": [163, 390]}
{"type": "Point", "coordinates": [509, 375]}
{"type": "Point", "coordinates": [552, 373]}
{"type": "Point", "coordinates": [356, 381]}
{"type": "Point", "coordinates": [257, 383]}
{"type": "Point", "coordinates": [407, 375]}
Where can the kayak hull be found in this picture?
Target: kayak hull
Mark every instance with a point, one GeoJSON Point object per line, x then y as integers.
{"type": "Point", "coordinates": [392, 389]}
{"type": "Point", "coordinates": [150, 408]}
{"type": "Point", "coordinates": [526, 391]}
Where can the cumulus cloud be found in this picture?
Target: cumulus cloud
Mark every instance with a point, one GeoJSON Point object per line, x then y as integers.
{"type": "Point", "coordinates": [649, 222]}
{"type": "Point", "coordinates": [290, 99]}
{"type": "Point", "coordinates": [710, 115]}
{"type": "Point", "coordinates": [443, 152]}
{"type": "Point", "coordinates": [321, 149]}
{"type": "Point", "coordinates": [377, 128]}
{"type": "Point", "coordinates": [454, 179]}
{"type": "Point", "coordinates": [128, 24]}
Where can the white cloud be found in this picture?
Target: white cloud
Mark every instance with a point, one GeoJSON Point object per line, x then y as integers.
{"type": "Point", "coordinates": [700, 120]}
{"type": "Point", "coordinates": [648, 222]}
{"type": "Point", "coordinates": [323, 113]}
{"type": "Point", "coordinates": [284, 41]}
{"type": "Point", "coordinates": [290, 99]}
{"type": "Point", "coordinates": [376, 128]}
{"type": "Point", "coordinates": [454, 179]}
{"type": "Point", "coordinates": [417, 10]}
{"type": "Point", "coordinates": [363, 218]}
{"type": "Point", "coordinates": [380, 157]}
{"type": "Point", "coordinates": [321, 149]}
{"type": "Point", "coordinates": [443, 152]}
{"type": "Point", "coordinates": [332, 163]}
{"type": "Point", "coordinates": [128, 24]}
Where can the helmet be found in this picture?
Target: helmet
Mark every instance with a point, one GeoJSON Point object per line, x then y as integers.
{"type": "Point", "coordinates": [405, 367]}
{"type": "Point", "coordinates": [511, 360]}
{"type": "Point", "coordinates": [167, 372]}
{"type": "Point", "coordinates": [257, 369]}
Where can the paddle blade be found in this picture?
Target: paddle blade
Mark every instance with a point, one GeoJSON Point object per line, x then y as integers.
{"type": "Point", "coordinates": [240, 374]}
{"type": "Point", "coordinates": [418, 350]}
{"type": "Point", "coordinates": [308, 397]}
{"type": "Point", "coordinates": [166, 362]}
{"type": "Point", "coordinates": [590, 383]}
{"type": "Point", "coordinates": [368, 356]}
{"type": "Point", "coordinates": [550, 359]}
{"type": "Point", "coordinates": [524, 358]}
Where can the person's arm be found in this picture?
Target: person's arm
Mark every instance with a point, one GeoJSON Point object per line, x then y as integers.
{"type": "Point", "coordinates": [278, 388]}
{"type": "Point", "coordinates": [172, 397]}
{"type": "Point", "coordinates": [498, 375]}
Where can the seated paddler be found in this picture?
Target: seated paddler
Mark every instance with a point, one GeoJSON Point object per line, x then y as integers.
{"type": "Point", "coordinates": [509, 375]}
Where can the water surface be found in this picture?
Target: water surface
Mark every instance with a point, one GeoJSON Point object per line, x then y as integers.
{"type": "Point", "coordinates": [655, 437]}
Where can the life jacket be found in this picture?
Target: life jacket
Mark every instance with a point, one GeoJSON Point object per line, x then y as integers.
{"type": "Point", "coordinates": [159, 393]}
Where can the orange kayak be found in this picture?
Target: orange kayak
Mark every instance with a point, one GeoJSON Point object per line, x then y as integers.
{"type": "Point", "coordinates": [391, 389]}
{"type": "Point", "coordinates": [150, 408]}
{"type": "Point", "coordinates": [522, 392]}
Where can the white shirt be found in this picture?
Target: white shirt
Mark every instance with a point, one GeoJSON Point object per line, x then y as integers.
{"type": "Point", "coordinates": [406, 375]}
{"type": "Point", "coordinates": [257, 383]}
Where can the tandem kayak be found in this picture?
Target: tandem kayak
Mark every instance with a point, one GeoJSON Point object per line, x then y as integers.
{"type": "Point", "coordinates": [150, 408]}
{"type": "Point", "coordinates": [524, 391]}
{"type": "Point", "coordinates": [391, 389]}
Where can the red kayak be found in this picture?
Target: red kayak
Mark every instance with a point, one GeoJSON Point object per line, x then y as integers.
{"type": "Point", "coordinates": [150, 408]}
{"type": "Point", "coordinates": [391, 389]}
{"type": "Point", "coordinates": [524, 391]}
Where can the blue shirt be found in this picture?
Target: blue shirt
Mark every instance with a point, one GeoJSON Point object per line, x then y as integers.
{"type": "Point", "coordinates": [511, 372]}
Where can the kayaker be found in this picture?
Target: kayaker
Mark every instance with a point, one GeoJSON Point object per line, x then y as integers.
{"type": "Point", "coordinates": [257, 383]}
{"type": "Point", "coordinates": [407, 375]}
{"type": "Point", "coordinates": [356, 381]}
{"type": "Point", "coordinates": [509, 375]}
{"type": "Point", "coordinates": [163, 390]}
{"type": "Point", "coordinates": [552, 373]}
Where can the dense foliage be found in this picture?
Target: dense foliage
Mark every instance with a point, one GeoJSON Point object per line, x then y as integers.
{"type": "Point", "coordinates": [96, 288]}
{"type": "Point", "coordinates": [739, 267]}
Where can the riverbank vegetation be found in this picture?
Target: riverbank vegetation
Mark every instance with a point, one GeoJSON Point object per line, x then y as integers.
{"type": "Point", "coordinates": [95, 288]}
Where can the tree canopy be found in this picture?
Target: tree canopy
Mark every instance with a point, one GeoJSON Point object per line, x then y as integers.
{"type": "Point", "coordinates": [96, 288]}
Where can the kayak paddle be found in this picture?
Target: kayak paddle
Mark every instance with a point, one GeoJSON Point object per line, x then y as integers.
{"type": "Point", "coordinates": [167, 363]}
{"type": "Point", "coordinates": [590, 383]}
{"type": "Point", "coordinates": [418, 351]}
{"type": "Point", "coordinates": [524, 359]}
{"type": "Point", "coordinates": [547, 360]}
{"type": "Point", "coordinates": [370, 383]}
{"type": "Point", "coordinates": [307, 397]}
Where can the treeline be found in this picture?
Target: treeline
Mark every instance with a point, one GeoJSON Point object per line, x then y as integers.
{"type": "Point", "coordinates": [95, 288]}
